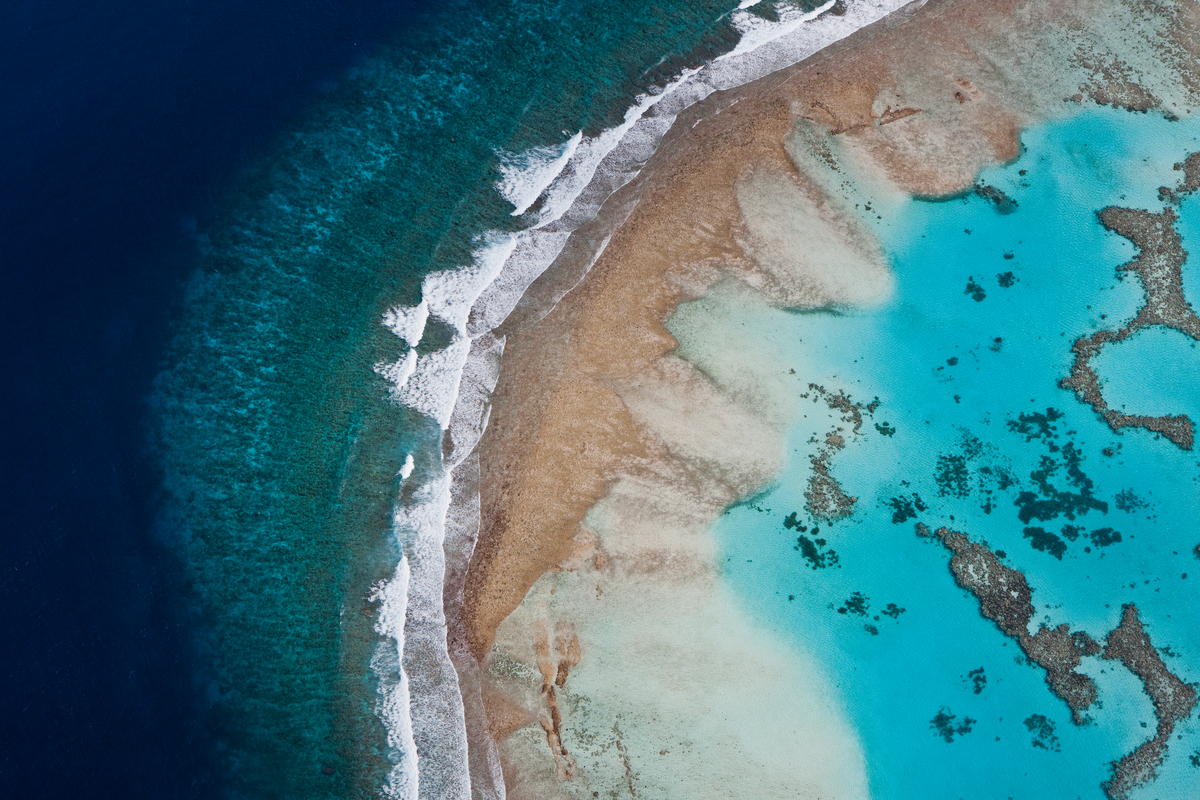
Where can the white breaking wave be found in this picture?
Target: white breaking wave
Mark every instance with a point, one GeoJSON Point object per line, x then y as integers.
{"type": "Point", "coordinates": [399, 372]}
{"type": "Point", "coordinates": [525, 176]}
{"type": "Point", "coordinates": [408, 323]}
{"type": "Point", "coordinates": [428, 383]}
{"type": "Point", "coordinates": [395, 702]}
{"type": "Point", "coordinates": [425, 688]}
{"type": "Point", "coordinates": [757, 31]}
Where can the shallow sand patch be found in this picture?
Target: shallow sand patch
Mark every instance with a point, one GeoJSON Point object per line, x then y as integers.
{"type": "Point", "coordinates": [641, 714]}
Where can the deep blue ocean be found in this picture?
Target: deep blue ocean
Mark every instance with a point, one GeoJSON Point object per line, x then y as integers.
{"type": "Point", "coordinates": [120, 125]}
{"type": "Point", "coordinates": [205, 207]}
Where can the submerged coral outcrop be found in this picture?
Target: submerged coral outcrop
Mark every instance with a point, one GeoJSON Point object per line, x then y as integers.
{"type": "Point", "coordinates": [1005, 598]}
{"type": "Point", "coordinates": [1173, 701]}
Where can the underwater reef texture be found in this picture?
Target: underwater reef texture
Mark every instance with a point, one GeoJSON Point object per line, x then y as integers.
{"type": "Point", "coordinates": [1173, 701]}
{"type": "Point", "coordinates": [1004, 597]}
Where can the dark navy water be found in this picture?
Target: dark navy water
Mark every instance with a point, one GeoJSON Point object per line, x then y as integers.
{"type": "Point", "coordinates": [120, 124]}
{"type": "Point", "coordinates": [205, 210]}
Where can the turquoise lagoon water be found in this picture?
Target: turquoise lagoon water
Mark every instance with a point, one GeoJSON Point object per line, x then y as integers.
{"type": "Point", "coordinates": [1152, 372]}
{"type": "Point", "coordinates": [965, 362]}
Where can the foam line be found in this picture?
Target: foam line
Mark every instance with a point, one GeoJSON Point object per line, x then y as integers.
{"type": "Point", "coordinates": [437, 717]}
{"type": "Point", "coordinates": [394, 697]}
{"type": "Point", "coordinates": [462, 532]}
{"type": "Point", "coordinates": [757, 31]}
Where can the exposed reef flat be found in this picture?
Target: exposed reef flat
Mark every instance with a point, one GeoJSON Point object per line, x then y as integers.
{"type": "Point", "coordinates": [612, 448]}
{"type": "Point", "coordinates": [826, 500]}
{"type": "Point", "coordinates": [1190, 167]}
{"type": "Point", "coordinates": [1159, 266]}
{"type": "Point", "coordinates": [1004, 597]}
{"type": "Point", "coordinates": [1173, 701]}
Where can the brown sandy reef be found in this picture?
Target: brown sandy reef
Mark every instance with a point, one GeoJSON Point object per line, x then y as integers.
{"type": "Point", "coordinates": [607, 456]}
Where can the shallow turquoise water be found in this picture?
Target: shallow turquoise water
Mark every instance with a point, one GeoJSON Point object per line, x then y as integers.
{"type": "Point", "coordinates": [1153, 372]}
{"type": "Point", "coordinates": [979, 334]}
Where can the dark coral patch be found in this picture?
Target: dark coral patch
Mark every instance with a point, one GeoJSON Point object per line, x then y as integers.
{"type": "Point", "coordinates": [952, 476]}
{"type": "Point", "coordinates": [947, 725]}
{"type": "Point", "coordinates": [1046, 542]}
{"type": "Point", "coordinates": [1042, 728]}
{"type": "Point", "coordinates": [906, 507]}
{"type": "Point", "coordinates": [1034, 425]}
{"type": "Point", "coordinates": [857, 603]}
{"type": "Point", "coordinates": [813, 553]}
